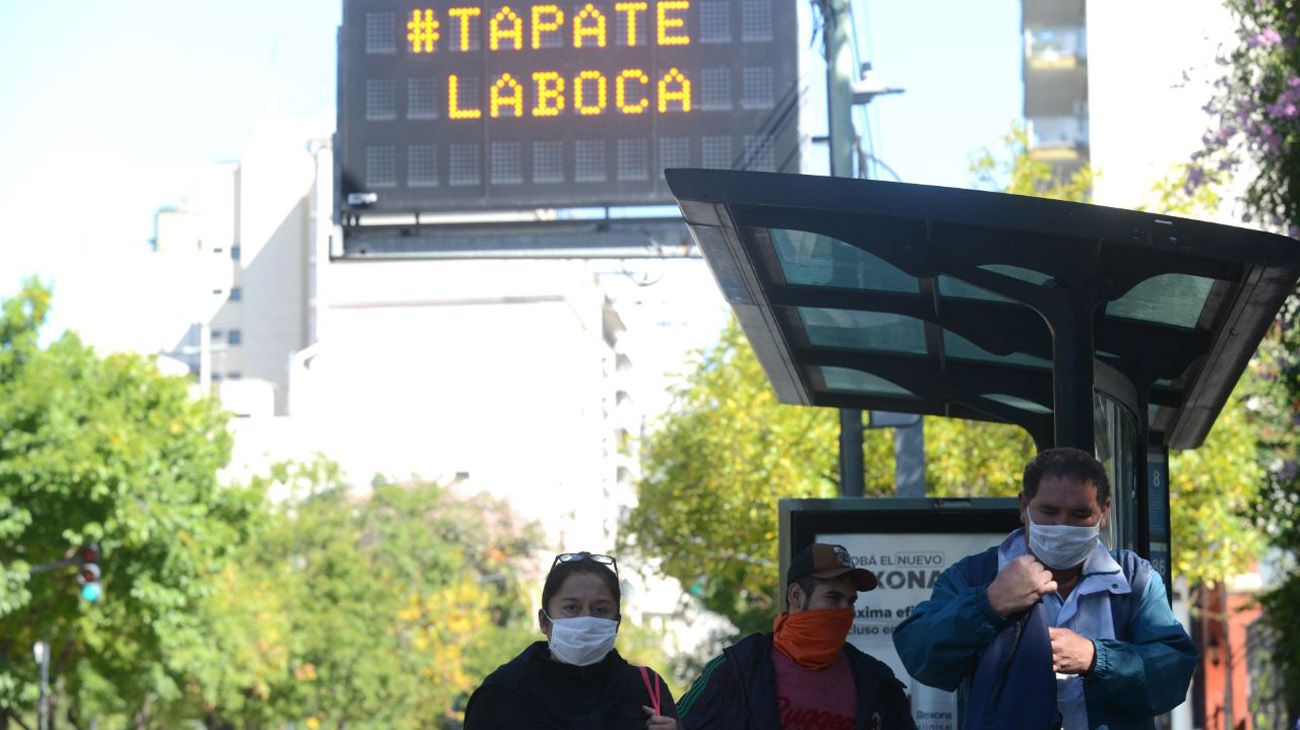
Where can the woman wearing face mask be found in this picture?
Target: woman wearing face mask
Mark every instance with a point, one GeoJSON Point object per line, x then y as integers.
{"type": "Point", "coordinates": [574, 679]}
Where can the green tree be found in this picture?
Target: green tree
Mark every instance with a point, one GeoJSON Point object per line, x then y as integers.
{"type": "Point", "coordinates": [375, 612]}
{"type": "Point", "coordinates": [714, 471]}
{"type": "Point", "coordinates": [105, 450]}
{"type": "Point", "coordinates": [1013, 169]}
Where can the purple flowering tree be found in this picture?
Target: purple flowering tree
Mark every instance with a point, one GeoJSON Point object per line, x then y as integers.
{"type": "Point", "coordinates": [1257, 134]}
{"type": "Point", "coordinates": [1257, 108]}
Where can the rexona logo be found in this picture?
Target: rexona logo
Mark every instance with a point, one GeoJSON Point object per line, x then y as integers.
{"type": "Point", "coordinates": [899, 579]}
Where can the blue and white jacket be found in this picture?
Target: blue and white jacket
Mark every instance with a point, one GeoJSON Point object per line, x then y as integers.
{"type": "Point", "coordinates": [1142, 674]}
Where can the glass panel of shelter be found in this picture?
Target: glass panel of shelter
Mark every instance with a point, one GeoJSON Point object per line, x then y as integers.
{"type": "Point", "coordinates": [812, 259]}
{"type": "Point", "coordinates": [1115, 434]}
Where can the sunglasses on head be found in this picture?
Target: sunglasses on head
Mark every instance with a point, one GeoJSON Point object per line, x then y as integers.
{"type": "Point", "coordinates": [584, 555]}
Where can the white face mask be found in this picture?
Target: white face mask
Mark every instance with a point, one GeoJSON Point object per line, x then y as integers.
{"type": "Point", "coordinates": [582, 640]}
{"type": "Point", "coordinates": [1062, 546]}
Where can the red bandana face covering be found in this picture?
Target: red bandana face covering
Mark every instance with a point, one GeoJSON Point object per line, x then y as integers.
{"type": "Point", "coordinates": [812, 639]}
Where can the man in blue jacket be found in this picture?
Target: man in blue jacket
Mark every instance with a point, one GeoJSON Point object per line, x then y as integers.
{"type": "Point", "coordinates": [802, 676]}
{"type": "Point", "coordinates": [1118, 654]}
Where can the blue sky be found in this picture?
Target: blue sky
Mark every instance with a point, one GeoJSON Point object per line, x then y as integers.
{"type": "Point", "coordinates": [109, 107]}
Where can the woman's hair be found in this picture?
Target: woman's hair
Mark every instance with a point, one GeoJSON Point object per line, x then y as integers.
{"type": "Point", "coordinates": [561, 572]}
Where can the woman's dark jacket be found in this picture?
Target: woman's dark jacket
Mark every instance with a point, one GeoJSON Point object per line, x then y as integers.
{"type": "Point", "coordinates": [535, 691]}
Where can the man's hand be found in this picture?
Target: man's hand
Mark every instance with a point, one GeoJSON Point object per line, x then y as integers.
{"type": "Point", "coordinates": [1071, 653]}
{"type": "Point", "coordinates": [1020, 585]}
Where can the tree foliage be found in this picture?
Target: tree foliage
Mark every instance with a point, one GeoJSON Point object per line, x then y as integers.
{"type": "Point", "coordinates": [714, 470]}
{"type": "Point", "coordinates": [379, 612]}
{"type": "Point", "coordinates": [1256, 132]}
{"type": "Point", "coordinates": [104, 450]}
{"type": "Point", "coordinates": [326, 609]}
{"type": "Point", "coordinates": [1013, 169]}
{"type": "Point", "coordinates": [1257, 112]}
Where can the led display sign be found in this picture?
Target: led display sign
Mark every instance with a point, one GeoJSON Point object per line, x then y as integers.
{"type": "Point", "coordinates": [468, 106]}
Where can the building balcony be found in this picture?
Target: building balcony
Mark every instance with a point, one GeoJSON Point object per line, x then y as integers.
{"type": "Point", "coordinates": [1058, 139]}
{"type": "Point", "coordinates": [1058, 152]}
{"type": "Point", "coordinates": [1054, 47]}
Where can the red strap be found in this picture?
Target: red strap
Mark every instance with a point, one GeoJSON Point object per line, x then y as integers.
{"type": "Point", "coordinates": [652, 690]}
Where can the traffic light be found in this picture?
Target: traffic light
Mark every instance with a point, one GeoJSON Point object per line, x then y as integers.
{"type": "Point", "coordinates": [88, 572]}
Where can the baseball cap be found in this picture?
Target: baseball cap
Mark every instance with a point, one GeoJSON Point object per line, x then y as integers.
{"type": "Point", "coordinates": [823, 560]}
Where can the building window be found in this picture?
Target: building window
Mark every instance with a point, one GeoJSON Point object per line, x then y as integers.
{"type": "Point", "coordinates": [218, 292]}
{"type": "Point", "coordinates": [234, 375]}
{"type": "Point", "coordinates": [216, 335]}
{"type": "Point", "coordinates": [234, 252]}
{"type": "Point", "coordinates": [216, 377]}
{"type": "Point", "coordinates": [235, 337]}
{"type": "Point", "coordinates": [236, 293]}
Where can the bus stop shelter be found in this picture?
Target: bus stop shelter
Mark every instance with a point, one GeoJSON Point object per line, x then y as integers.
{"type": "Point", "coordinates": [1118, 332]}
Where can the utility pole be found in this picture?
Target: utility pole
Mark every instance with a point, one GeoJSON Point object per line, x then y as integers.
{"type": "Point", "coordinates": [842, 142]}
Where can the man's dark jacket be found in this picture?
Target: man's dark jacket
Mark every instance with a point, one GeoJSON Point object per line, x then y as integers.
{"type": "Point", "coordinates": [737, 691]}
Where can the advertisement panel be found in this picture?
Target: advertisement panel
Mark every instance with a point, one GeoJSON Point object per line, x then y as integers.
{"type": "Point", "coordinates": [907, 543]}
{"type": "Point", "coordinates": [907, 567]}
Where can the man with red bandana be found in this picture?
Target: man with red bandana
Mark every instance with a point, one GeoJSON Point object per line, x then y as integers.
{"type": "Point", "coordinates": [802, 676]}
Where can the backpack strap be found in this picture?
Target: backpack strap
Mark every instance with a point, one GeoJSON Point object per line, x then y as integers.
{"type": "Point", "coordinates": [1138, 573]}
{"type": "Point", "coordinates": [651, 689]}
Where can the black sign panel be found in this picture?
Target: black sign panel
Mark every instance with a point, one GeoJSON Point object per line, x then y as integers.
{"type": "Point", "coordinates": [453, 105]}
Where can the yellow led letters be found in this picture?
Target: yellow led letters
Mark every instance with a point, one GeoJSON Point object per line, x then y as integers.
{"type": "Point", "coordinates": [620, 91]}
{"type": "Point", "coordinates": [422, 31]}
{"type": "Point", "coordinates": [631, 9]}
{"type": "Point", "coordinates": [556, 19]}
{"type": "Point", "coordinates": [510, 94]}
{"type": "Point", "coordinates": [673, 23]}
{"type": "Point", "coordinates": [453, 101]}
{"type": "Point", "coordinates": [595, 26]}
{"type": "Point", "coordinates": [550, 94]}
{"type": "Point", "coordinates": [588, 110]}
{"type": "Point", "coordinates": [464, 15]}
{"type": "Point", "coordinates": [681, 94]}
{"type": "Point", "coordinates": [515, 99]}
{"type": "Point", "coordinates": [514, 32]}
